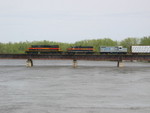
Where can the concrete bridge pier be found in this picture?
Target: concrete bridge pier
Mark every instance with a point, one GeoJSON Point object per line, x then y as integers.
{"type": "Point", "coordinates": [120, 63]}
{"type": "Point", "coordinates": [29, 63]}
{"type": "Point", "coordinates": [74, 63]}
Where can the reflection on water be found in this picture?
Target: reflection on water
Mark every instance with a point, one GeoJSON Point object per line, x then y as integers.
{"type": "Point", "coordinates": [56, 87]}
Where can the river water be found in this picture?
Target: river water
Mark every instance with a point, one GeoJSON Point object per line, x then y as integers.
{"type": "Point", "coordinates": [56, 87]}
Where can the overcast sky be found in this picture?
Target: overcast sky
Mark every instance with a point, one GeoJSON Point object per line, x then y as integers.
{"type": "Point", "coordinates": [73, 20]}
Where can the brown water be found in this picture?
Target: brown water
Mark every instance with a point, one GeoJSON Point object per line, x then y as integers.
{"type": "Point", "coordinates": [56, 87]}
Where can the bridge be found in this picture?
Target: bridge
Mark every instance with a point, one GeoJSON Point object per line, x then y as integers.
{"type": "Point", "coordinates": [118, 58]}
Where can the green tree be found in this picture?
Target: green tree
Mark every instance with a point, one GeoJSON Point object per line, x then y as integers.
{"type": "Point", "coordinates": [96, 43]}
{"type": "Point", "coordinates": [20, 47]}
{"type": "Point", "coordinates": [1, 48]}
{"type": "Point", "coordinates": [145, 41]}
{"type": "Point", "coordinates": [128, 42]}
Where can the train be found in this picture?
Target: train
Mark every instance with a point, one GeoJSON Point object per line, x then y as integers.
{"type": "Point", "coordinates": [84, 50]}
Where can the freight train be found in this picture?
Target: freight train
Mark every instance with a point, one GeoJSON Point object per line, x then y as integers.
{"type": "Point", "coordinates": [77, 50]}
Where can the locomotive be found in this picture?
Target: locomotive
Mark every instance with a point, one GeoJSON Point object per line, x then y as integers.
{"type": "Point", "coordinates": [113, 50]}
{"type": "Point", "coordinates": [80, 50]}
{"type": "Point", "coordinates": [55, 49]}
{"type": "Point", "coordinates": [84, 50]}
{"type": "Point", "coordinates": [43, 49]}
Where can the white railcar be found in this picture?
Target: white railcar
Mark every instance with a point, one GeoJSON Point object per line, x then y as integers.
{"type": "Point", "coordinates": [140, 49]}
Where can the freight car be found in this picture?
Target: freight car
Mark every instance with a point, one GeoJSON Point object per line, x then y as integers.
{"type": "Point", "coordinates": [113, 50]}
{"type": "Point", "coordinates": [140, 49]}
{"type": "Point", "coordinates": [80, 50]}
{"type": "Point", "coordinates": [43, 49]}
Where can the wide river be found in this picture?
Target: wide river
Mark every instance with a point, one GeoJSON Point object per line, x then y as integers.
{"type": "Point", "coordinates": [56, 87]}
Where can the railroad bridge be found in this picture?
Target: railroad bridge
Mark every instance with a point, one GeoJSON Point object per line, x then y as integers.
{"type": "Point", "coordinates": [118, 58]}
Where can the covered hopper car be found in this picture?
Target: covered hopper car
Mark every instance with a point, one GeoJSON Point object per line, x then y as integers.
{"type": "Point", "coordinates": [140, 49]}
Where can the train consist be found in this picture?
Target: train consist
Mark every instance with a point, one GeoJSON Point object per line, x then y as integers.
{"type": "Point", "coordinates": [55, 49]}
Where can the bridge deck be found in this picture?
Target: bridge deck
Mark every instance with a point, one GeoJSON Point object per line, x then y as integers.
{"type": "Point", "coordinates": [76, 57]}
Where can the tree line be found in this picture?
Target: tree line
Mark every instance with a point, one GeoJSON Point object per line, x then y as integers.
{"type": "Point", "coordinates": [20, 47]}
